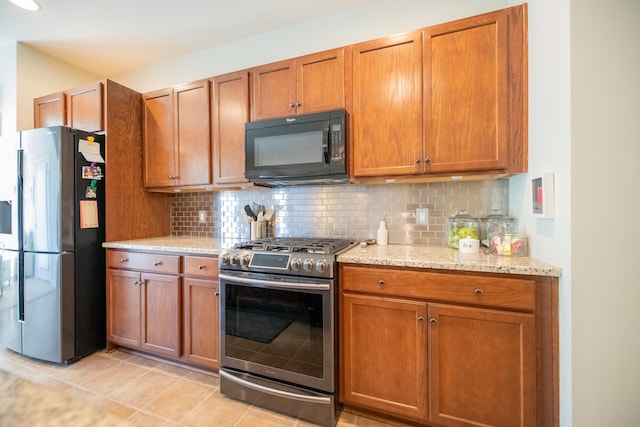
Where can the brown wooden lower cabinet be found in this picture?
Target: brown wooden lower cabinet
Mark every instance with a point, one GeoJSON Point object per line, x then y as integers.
{"type": "Point", "coordinates": [384, 349]}
{"type": "Point", "coordinates": [445, 348]}
{"type": "Point", "coordinates": [482, 367]}
{"type": "Point", "coordinates": [200, 302]}
{"type": "Point", "coordinates": [165, 305]}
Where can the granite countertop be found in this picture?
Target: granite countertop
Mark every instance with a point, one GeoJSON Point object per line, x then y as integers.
{"type": "Point", "coordinates": [447, 259]}
{"type": "Point", "coordinates": [182, 244]}
{"type": "Point", "coordinates": [418, 256]}
{"type": "Point", "coordinates": [23, 403]}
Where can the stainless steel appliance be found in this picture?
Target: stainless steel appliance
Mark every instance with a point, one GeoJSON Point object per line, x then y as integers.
{"type": "Point", "coordinates": [279, 329]}
{"type": "Point", "coordinates": [52, 265]}
{"type": "Point", "coordinates": [296, 150]}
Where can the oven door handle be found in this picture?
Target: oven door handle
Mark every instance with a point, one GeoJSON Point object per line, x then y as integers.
{"type": "Point", "coordinates": [272, 284]}
{"type": "Point", "coordinates": [274, 392]}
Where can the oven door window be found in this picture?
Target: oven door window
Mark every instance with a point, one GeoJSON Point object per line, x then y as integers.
{"type": "Point", "coordinates": [275, 328]}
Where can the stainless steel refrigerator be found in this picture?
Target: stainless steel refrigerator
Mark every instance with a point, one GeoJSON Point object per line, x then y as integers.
{"type": "Point", "coordinates": [52, 264]}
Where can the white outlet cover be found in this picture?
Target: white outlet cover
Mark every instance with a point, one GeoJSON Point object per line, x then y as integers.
{"type": "Point", "coordinates": [422, 216]}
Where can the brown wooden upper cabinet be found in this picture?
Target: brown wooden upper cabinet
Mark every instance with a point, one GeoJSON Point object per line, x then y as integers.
{"type": "Point", "coordinates": [450, 99]}
{"type": "Point", "coordinates": [230, 113]}
{"type": "Point", "coordinates": [177, 136]}
{"type": "Point", "coordinates": [49, 110]}
{"type": "Point", "coordinates": [306, 84]}
{"type": "Point", "coordinates": [85, 107]}
{"type": "Point", "coordinates": [79, 108]}
{"type": "Point", "coordinates": [473, 94]}
{"type": "Point", "coordinates": [386, 110]}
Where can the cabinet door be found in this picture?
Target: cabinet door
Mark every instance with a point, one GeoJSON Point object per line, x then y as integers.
{"type": "Point", "coordinates": [49, 111]}
{"type": "Point", "coordinates": [123, 307]}
{"type": "Point", "coordinates": [384, 355]}
{"type": "Point", "coordinates": [320, 80]}
{"type": "Point", "coordinates": [201, 324]}
{"type": "Point", "coordinates": [482, 367]}
{"type": "Point", "coordinates": [230, 113]}
{"type": "Point", "coordinates": [386, 114]}
{"type": "Point", "coordinates": [158, 150]}
{"type": "Point", "coordinates": [161, 320]}
{"type": "Point", "coordinates": [465, 94]}
{"type": "Point", "coordinates": [193, 133]}
{"type": "Point", "coordinates": [84, 108]}
{"type": "Point", "coordinates": [274, 90]}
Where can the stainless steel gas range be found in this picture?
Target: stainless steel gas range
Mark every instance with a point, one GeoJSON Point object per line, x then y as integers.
{"type": "Point", "coordinates": [278, 310]}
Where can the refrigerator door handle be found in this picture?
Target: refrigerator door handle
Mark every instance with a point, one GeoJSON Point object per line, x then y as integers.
{"type": "Point", "coordinates": [20, 190]}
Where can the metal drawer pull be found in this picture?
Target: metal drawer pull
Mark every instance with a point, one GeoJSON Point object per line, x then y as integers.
{"type": "Point", "coordinates": [124, 259]}
{"type": "Point", "coordinates": [157, 263]}
{"type": "Point", "coordinates": [381, 283]}
{"type": "Point", "coordinates": [201, 267]}
{"type": "Point", "coordinates": [138, 282]}
{"type": "Point", "coordinates": [478, 291]}
{"type": "Point", "coordinates": [433, 320]}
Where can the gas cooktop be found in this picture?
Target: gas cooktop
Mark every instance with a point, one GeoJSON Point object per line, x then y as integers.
{"type": "Point", "coordinates": [308, 257]}
{"type": "Point", "coordinates": [310, 245]}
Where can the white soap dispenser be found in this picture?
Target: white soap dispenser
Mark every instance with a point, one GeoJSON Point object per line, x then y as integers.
{"type": "Point", "coordinates": [383, 233]}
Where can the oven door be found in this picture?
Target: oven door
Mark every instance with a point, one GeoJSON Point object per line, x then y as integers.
{"type": "Point", "coordinates": [279, 327]}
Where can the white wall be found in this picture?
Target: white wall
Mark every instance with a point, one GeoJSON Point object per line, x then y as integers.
{"type": "Point", "coordinates": [550, 151]}
{"type": "Point", "coordinates": [38, 75]}
{"type": "Point", "coordinates": [605, 150]}
{"type": "Point", "coordinates": [8, 94]}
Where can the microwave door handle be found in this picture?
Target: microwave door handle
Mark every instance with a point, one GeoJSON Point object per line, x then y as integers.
{"type": "Point", "coordinates": [326, 147]}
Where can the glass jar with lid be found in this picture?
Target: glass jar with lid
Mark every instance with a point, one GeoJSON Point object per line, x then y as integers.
{"type": "Point", "coordinates": [461, 226]}
{"type": "Point", "coordinates": [495, 223]}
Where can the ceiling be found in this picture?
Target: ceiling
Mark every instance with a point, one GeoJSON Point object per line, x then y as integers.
{"type": "Point", "coordinates": [110, 37]}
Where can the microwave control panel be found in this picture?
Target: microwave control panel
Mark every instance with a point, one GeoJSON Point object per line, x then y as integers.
{"type": "Point", "coordinates": [337, 142]}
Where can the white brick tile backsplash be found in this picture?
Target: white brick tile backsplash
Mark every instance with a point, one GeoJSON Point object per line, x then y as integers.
{"type": "Point", "coordinates": [345, 211]}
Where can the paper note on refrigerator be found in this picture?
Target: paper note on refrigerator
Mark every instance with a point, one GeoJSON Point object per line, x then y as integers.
{"type": "Point", "coordinates": [89, 214]}
{"type": "Point", "coordinates": [90, 151]}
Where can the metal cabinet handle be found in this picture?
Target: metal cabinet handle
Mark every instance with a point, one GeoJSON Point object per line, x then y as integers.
{"type": "Point", "coordinates": [418, 159]}
{"type": "Point", "coordinates": [420, 319]}
{"type": "Point", "coordinates": [433, 321]}
{"type": "Point", "coordinates": [427, 159]}
{"type": "Point", "coordinates": [124, 259]}
{"type": "Point", "coordinates": [381, 283]}
{"type": "Point", "coordinates": [137, 282]}
{"type": "Point", "coordinates": [217, 293]}
{"type": "Point", "coordinates": [157, 263]}
{"type": "Point", "coordinates": [201, 267]}
{"type": "Point", "coordinates": [478, 291]}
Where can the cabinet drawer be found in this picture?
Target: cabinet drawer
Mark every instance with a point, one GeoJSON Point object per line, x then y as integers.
{"type": "Point", "coordinates": [200, 266]}
{"type": "Point", "coordinates": [450, 287]}
{"type": "Point", "coordinates": [153, 262]}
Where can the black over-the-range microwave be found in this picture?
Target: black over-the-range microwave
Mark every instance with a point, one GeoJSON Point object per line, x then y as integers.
{"type": "Point", "coordinates": [298, 150]}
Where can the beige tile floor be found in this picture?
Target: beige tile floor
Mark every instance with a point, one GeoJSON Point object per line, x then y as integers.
{"type": "Point", "coordinates": [149, 392]}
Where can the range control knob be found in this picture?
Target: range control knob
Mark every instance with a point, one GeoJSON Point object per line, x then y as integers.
{"type": "Point", "coordinates": [245, 260]}
{"type": "Point", "coordinates": [321, 266]}
{"type": "Point", "coordinates": [296, 264]}
{"type": "Point", "coordinates": [225, 258]}
{"type": "Point", "coordinates": [308, 265]}
{"type": "Point", "coordinates": [235, 259]}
